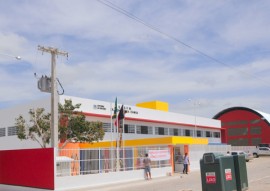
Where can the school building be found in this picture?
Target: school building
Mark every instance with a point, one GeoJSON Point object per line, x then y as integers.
{"type": "Point", "coordinates": [149, 127]}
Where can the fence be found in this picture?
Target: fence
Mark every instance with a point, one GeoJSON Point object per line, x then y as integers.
{"type": "Point", "coordinates": [72, 162]}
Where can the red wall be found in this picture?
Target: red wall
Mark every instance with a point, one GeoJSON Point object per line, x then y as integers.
{"type": "Point", "coordinates": [28, 167]}
{"type": "Point", "coordinates": [237, 115]}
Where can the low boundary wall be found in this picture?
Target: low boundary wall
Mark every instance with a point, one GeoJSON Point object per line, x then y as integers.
{"type": "Point", "coordinates": [28, 167]}
{"type": "Point", "coordinates": [72, 182]}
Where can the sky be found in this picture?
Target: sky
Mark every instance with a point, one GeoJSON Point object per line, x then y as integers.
{"type": "Point", "coordinates": [199, 56]}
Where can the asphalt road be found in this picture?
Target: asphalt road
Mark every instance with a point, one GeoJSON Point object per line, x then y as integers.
{"type": "Point", "coordinates": [258, 171]}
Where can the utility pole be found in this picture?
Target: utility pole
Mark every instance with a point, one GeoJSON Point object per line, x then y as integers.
{"type": "Point", "coordinates": [54, 94]}
{"type": "Point", "coordinates": [195, 105]}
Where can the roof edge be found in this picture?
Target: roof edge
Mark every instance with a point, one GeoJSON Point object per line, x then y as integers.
{"type": "Point", "coordinates": [263, 115]}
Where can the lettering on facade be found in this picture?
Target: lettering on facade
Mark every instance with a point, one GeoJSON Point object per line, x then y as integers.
{"type": "Point", "coordinates": [99, 107]}
{"type": "Point", "coordinates": [127, 110]}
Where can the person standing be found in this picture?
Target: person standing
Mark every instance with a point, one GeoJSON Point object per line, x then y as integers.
{"type": "Point", "coordinates": [186, 163]}
{"type": "Point", "coordinates": [147, 168]}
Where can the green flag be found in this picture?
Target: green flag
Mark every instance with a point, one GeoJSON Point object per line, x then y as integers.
{"type": "Point", "coordinates": [115, 109]}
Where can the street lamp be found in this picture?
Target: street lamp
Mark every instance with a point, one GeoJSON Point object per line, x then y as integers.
{"type": "Point", "coordinates": [12, 56]}
{"type": "Point", "coordinates": [195, 105]}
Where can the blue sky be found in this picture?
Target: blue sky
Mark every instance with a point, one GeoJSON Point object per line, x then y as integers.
{"type": "Point", "coordinates": [112, 55]}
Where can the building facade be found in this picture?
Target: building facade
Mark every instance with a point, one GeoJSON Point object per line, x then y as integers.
{"type": "Point", "coordinates": [139, 122]}
{"type": "Point", "coordinates": [146, 123]}
{"type": "Point", "coordinates": [152, 130]}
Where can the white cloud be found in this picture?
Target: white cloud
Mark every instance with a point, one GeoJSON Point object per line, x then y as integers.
{"type": "Point", "coordinates": [112, 55]}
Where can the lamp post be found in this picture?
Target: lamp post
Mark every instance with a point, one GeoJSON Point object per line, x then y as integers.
{"type": "Point", "coordinates": [12, 56]}
{"type": "Point", "coordinates": [195, 105]}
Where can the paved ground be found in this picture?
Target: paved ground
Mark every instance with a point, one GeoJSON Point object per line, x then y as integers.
{"type": "Point", "coordinates": [258, 176]}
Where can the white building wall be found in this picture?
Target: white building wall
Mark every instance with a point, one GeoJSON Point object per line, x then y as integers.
{"type": "Point", "coordinates": [138, 113]}
{"type": "Point", "coordinates": [7, 119]}
{"type": "Point", "coordinates": [100, 110]}
{"type": "Point", "coordinates": [196, 153]}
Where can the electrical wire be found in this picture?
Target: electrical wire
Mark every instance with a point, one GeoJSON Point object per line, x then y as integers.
{"type": "Point", "coordinates": [63, 91]}
{"type": "Point", "coordinates": [130, 15]}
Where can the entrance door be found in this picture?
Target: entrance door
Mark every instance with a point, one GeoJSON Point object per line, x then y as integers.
{"type": "Point", "coordinates": [178, 158]}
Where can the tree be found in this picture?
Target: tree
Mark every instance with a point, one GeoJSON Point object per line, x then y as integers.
{"type": "Point", "coordinates": [39, 127]}
{"type": "Point", "coordinates": [73, 126]}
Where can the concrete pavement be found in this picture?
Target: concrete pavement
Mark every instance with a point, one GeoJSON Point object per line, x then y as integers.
{"type": "Point", "coordinates": [258, 179]}
{"type": "Point", "coordinates": [177, 182]}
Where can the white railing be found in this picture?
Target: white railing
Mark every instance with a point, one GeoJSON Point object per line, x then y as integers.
{"type": "Point", "coordinates": [72, 162]}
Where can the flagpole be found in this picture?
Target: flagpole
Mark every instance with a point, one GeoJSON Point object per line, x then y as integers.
{"type": "Point", "coordinates": [114, 160]}
{"type": "Point", "coordinates": [111, 138]}
{"type": "Point", "coordinates": [117, 146]}
{"type": "Point", "coordinates": [111, 122]}
{"type": "Point", "coordinates": [123, 141]}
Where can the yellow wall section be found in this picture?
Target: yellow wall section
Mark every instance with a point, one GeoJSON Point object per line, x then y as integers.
{"type": "Point", "coordinates": [147, 142]}
{"type": "Point", "coordinates": [158, 105]}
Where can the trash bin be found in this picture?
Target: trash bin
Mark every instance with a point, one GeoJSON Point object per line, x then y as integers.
{"type": "Point", "coordinates": [217, 172]}
{"type": "Point", "coordinates": [240, 172]}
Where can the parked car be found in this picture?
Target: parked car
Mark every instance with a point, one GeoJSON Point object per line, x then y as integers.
{"type": "Point", "coordinates": [261, 151]}
{"type": "Point", "coordinates": [248, 156]}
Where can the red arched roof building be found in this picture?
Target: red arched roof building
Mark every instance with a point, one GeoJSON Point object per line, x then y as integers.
{"type": "Point", "coordinates": [243, 126]}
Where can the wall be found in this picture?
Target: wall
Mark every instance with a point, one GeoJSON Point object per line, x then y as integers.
{"type": "Point", "coordinates": [103, 109]}
{"type": "Point", "coordinates": [7, 119]}
{"type": "Point", "coordinates": [247, 116]}
{"type": "Point", "coordinates": [28, 167]}
{"type": "Point", "coordinates": [72, 182]}
{"type": "Point", "coordinates": [196, 153]}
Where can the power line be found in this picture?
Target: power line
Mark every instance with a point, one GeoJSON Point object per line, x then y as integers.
{"type": "Point", "coordinates": [130, 15]}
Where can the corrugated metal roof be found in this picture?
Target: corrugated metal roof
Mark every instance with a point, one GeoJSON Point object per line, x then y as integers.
{"type": "Point", "coordinates": [266, 116]}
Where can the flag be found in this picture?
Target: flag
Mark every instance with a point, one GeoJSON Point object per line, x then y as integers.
{"type": "Point", "coordinates": [115, 109]}
{"type": "Point", "coordinates": [121, 114]}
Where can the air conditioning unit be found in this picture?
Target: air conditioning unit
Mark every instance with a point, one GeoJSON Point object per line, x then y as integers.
{"type": "Point", "coordinates": [63, 166]}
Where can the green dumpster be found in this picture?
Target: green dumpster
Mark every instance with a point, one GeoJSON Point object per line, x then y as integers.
{"type": "Point", "coordinates": [240, 172]}
{"type": "Point", "coordinates": [217, 172]}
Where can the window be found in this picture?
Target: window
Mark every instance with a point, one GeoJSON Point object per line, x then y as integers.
{"type": "Point", "coordinates": [106, 127]}
{"type": "Point", "coordinates": [187, 132]}
{"type": "Point", "coordinates": [256, 141]}
{"type": "Point", "coordinates": [232, 123]}
{"type": "Point", "coordinates": [161, 130]}
{"type": "Point", "coordinates": [199, 133]}
{"type": "Point", "coordinates": [238, 142]}
{"type": "Point", "coordinates": [144, 130]}
{"type": "Point", "coordinates": [255, 121]}
{"type": "Point", "coordinates": [255, 130]}
{"type": "Point", "coordinates": [237, 131]}
{"type": "Point", "coordinates": [264, 144]}
{"type": "Point", "coordinates": [208, 134]}
{"type": "Point", "coordinates": [129, 128]}
{"type": "Point", "coordinates": [2, 132]}
{"type": "Point", "coordinates": [12, 131]}
{"type": "Point", "coordinates": [216, 134]}
{"type": "Point", "coordinates": [175, 132]}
